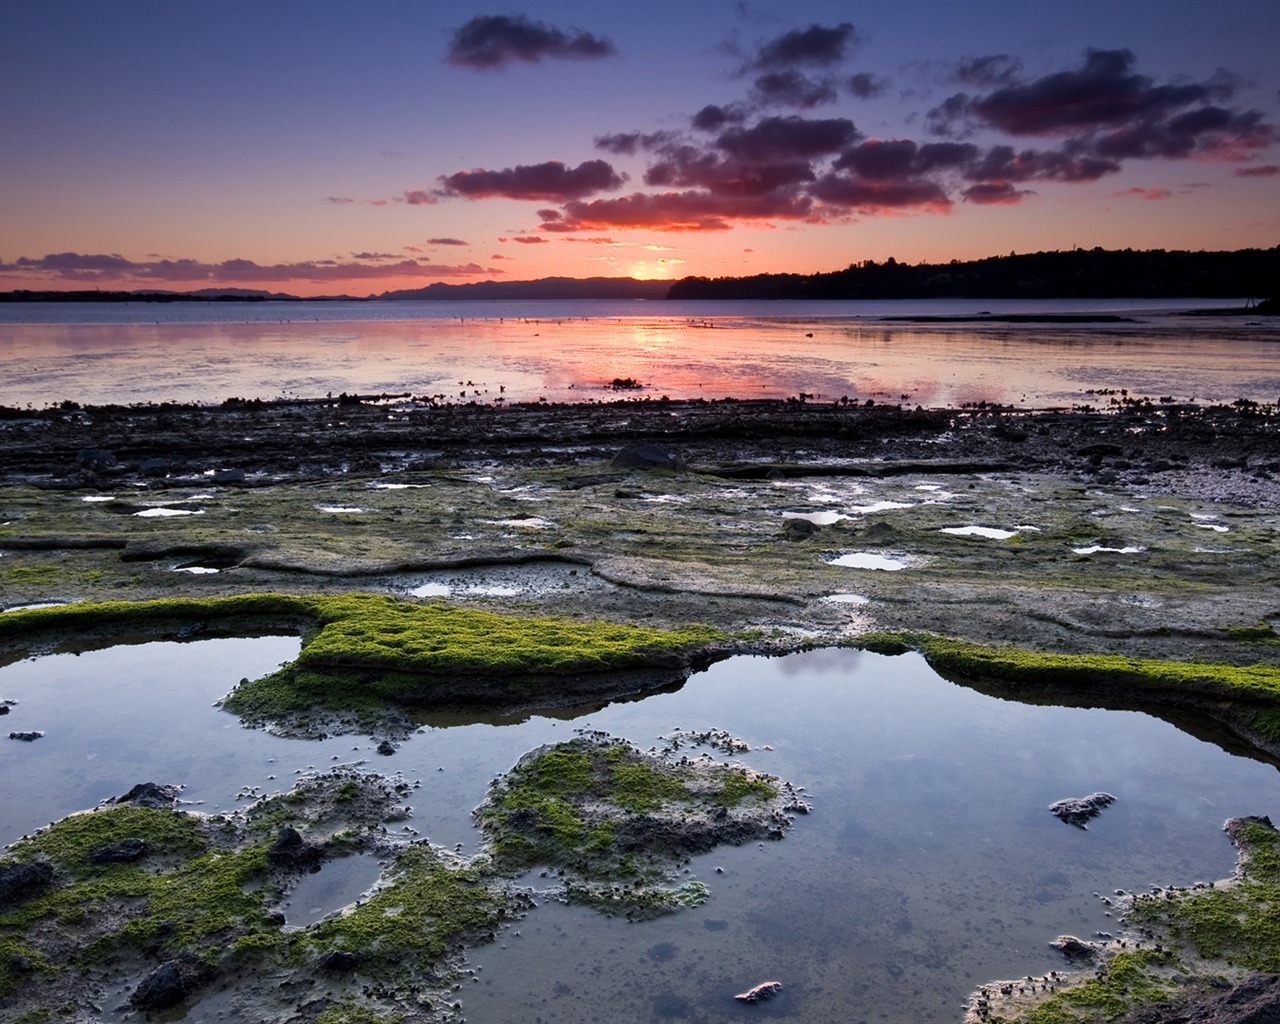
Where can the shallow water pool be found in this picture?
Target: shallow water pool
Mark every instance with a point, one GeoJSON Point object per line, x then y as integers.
{"type": "Point", "coordinates": [929, 864]}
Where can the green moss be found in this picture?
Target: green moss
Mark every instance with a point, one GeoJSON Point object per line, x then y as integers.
{"type": "Point", "coordinates": [183, 896]}
{"type": "Point", "coordinates": [351, 1013]}
{"type": "Point", "coordinates": [426, 911]}
{"type": "Point", "coordinates": [1031, 668]}
{"type": "Point", "coordinates": [32, 575]}
{"type": "Point", "coordinates": [363, 651]}
{"type": "Point", "coordinates": [1128, 980]}
{"type": "Point", "coordinates": [1262, 633]}
{"type": "Point", "coordinates": [738, 788]}
{"type": "Point", "coordinates": [67, 843]}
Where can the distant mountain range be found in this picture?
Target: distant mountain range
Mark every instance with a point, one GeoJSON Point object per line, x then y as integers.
{"type": "Point", "coordinates": [1076, 273]}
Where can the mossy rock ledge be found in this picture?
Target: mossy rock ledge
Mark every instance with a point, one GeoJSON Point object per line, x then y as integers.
{"type": "Point", "coordinates": [616, 821]}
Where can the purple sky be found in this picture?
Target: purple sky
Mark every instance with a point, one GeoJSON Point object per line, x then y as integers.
{"type": "Point", "coordinates": [334, 147]}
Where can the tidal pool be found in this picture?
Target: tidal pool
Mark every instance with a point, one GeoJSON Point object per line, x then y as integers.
{"type": "Point", "coordinates": [930, 862]}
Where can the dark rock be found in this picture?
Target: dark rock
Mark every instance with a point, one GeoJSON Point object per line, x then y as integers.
{"type": "Point", "coordinates": [96, 459]}
{"type": "Point", "coordinates": [124, 852]}
{"type": "Point", "coordinates": [4, 709]}
{"type": "Point", "coordinates": [22, 881]}
{"type": "Point", "coordinates": [228, 476]}
{"type": "Point", "coordinates": [1074, 949]}
{"type": "Point", "coordinates": [168, 985]}
{"type": "Point", "coordinates": [290, 850]}
{"type": "Point", "coordinates": [339, 960]}
{"type": "Point", "coordinates": [26, 737]}
{"type": "Point", "coordinates": [798, 529]}
{"type": "Point", "coordinates": [386, 748]}
{"type": "Point", "coordinates": [879, 533]}
{"type": "Point", "coordinates": [645, 456]}
{"type": "Point", "coordinates": [1255, 1000]}
{"type": "Point", "coordinates": [1081, 809]}
{"type": "Point", "coordinates": [154, 467]}
{"type": "Point", "coordinates": [19, 964]}
{"type": "Point", "coordinates": [151, 794]}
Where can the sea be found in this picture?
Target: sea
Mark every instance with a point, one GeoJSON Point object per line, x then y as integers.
{"type": "Point", "coordinates": [499, 352]}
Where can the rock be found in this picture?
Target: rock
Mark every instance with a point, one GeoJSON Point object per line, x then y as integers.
{"type": "Point", "coordinates": [290, 850]}
{"type": "Point", "coordinates": [879, 533]}
{"type": "Point", "coordinates": [1079, 810]}
{"type": "Point", "coordinates": [765, 990]}
{"type": "Point", "coordinates": [228, 476]}
{"type": "Point", "coordinates": [22, 881]}
{"type": "Point", "coordinates": [339, 960]}
{"type": "Point", "coordinates": [168, 985]}
{"type": "Point", "coordinates": [1074, 949]}
{"type": "Point", "coordinates": [124, 852]}
{"type": "Point", "coordinates": [798, 529]}
{"type": "Point", "coordinates": [645, 456]}
{"type": "Point", "coordinates": [153, 467]}
{"type": "Point", "coordinates": [1254, 1000]}
{"type": "Point", "coordinates": [26, 737]}
{"type": "Point", "coordinates": [386, 748]}
{"type": "Point", "coordinates": [151, 794]}
{"type": "Point", "coordinates": [4, 709]}
{"type": "Point", "coordinates": [96, 459]}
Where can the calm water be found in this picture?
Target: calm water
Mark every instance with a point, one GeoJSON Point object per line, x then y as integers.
{"type": "Point", "coordinates": [930, 862]}
{"type": "Point", "coordinates": [570, 351]}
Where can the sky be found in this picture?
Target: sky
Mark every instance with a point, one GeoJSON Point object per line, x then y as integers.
{"type": "Point", "coordinates": [324, 147]}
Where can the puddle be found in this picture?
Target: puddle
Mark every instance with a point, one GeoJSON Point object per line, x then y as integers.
{"type": "Point", "coordinates": [527, 523]}
{"type": "Point", "coordinates": [380, 485]}
{"type": "Point", "coordinates": [166, 512]}
{"type": "Point", "coordinates": [989, 532]}
{"type": "Point", "coordinates": [817, 518]}
{"type": "Point", "coordinates": [34, 604]}
{"type": "Point", "coordinates": [530, 579]}
{"type": "Point", "coordinates": [338, 509]}
{"type": "Point", "coordinates": [98, 497]}
{"type": "Point", "coordinates": [1093, 549]}
{"type": "Point", "coordinates": [879, 506]}
{"type": "Point", "coordinates": [868, 560]}
{"type": "Point", "coordinates": [338, 883]}
{"type": "Point", "coordinates": [196, 570]}
{"type": "Point", "coordinates": [847, 599]}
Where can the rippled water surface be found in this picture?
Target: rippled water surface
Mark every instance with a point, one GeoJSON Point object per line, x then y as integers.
{"type": "Point", "coordinates": [930, 862]}
{"type": "Point", "coordinates": [570, 351]}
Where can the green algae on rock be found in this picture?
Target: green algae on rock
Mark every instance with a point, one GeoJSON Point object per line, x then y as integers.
{"type": "Point", "coordinates": [617, 820]}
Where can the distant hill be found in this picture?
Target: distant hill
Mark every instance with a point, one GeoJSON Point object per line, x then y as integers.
{"type": "Point", "coordinates": [1078, 273]}
{"type": "Point", "coordinates": [543, 288]}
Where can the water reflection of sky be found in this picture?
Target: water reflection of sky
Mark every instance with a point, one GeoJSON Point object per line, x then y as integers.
{"type": "Point", "coordinates": [479, 354]}
{"type": "Point", "coordinates": [929, 864]}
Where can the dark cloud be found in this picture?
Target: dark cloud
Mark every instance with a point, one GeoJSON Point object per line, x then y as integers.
{"type": "Point", "coordinates": [1145, 193]}
{"type": "Point", "coordinates": [417, 197]}
{"type": "Point", "coordinates": [496, 40]}
{"type": "Point", "coordinates": [630, 143]}
{"type": "Point", "coordinates": [115, 269]}
{"type": "Point", "coordinates": [860, 196]}
{"type": "Point", "coordinates": [787, 138]}
{"type": "Point", "coordinates": [865, 86]}
{"type": "Point", "coordinates": [526, 240]}
{"type": "Point", "coordinates": [677, 211]}
{"type": "Point", "coordinates": [815, 45]}
{"type": "Point", "coordinates": [900, 159]}
{"type": "Point", "coordinates": [1207, 131]}
{"type": "Point", "coordinates": [1003, 163]}
{"type": "Point", "coordinates": [792, 89]}
{"type": "Point", "coordinates": [713, 118]}
{"type": "Point", "coordinates": [1262, 171]}
{"type": "Point", "coordinates": [997, 69]}
{"type": "Point", "coordinates": [688, 167]}
{"type": "Point", "coordinates": [446, 241]}
{"type": "Point", "coordinates": [1104, 91]}
{"type": "Point", "coordinates": [1002, 194]}
{"type": "Point", "coordinates": [551, 181]}
{"type": "Point", "coordinates": [375, 256]}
